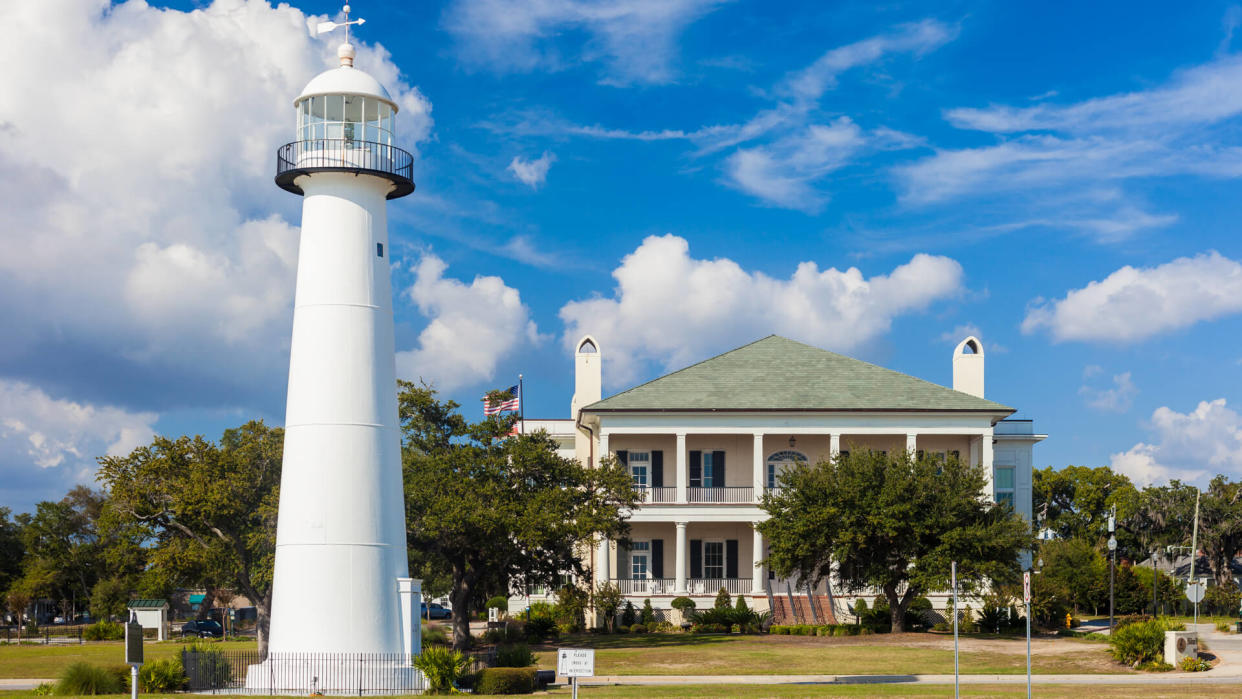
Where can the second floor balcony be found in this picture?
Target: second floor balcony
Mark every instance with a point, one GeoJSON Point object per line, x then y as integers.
{"type": "Point", "coordinates": [723, 495]}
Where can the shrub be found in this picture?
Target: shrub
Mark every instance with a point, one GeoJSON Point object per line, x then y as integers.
{"type": "Point", "coordinates": [638, 628]}
{"type": "Point", "coordinates": [824, 631]}
{"type": "Point", "coordinates": [442, 667]}
{"type": "Point", "coordinates": [208, 665]}
{"type": "Point", "coordinates": [1156, 666]}
{"type": "Point", "coordinates": [629, 616]}
{"type": "Point", "coordinates": [778, 630]}
{"type": "Point", "coordinates": [709, 628]}
{"type": "Point", "coordinates": [916, 617]}
{"type": "Point", "coordinates": [860, 609]}
{"type": "Point", "coordinates": [993, 616]}
{"type": "Point", "coordinates": [161, 676]}
{"type": "Point", "coordinates": [648, 614]}
{"type": "Point", "coordinates": [499, 602]}
{"type": "Point", "coordinates": [623, 629]}
{"type": "Point", "coordinates": [513, 631]}
{"type": "Point", "coordinates": [685, 605]}
{"type": "Point", "coordinates": [104, 631]}
{"type": "Point", "coordinates": [659, 627]}
{"type": "Point", "coordinates": [1222, 626]}
{"type": "Point", "coordinates": [514, 655]}
{"type": "Point", "coordinates": [1193, 663]}
{"type": "Point", "coordinates": [434, 635]}
{"type": "Point", "coordinates": [1139, 642]}
{"type": "Point", "coordinates": [541, 611]}
{"type": "Point", "coordinates": [568, 628]}
{"type": "Point", "coordinates": [44, 689]}
{"type": "Point", "coordinates": [571, 604]}
{"type": "Point", "coordinates": [966, 621]}
{"type": "Point", "coordinates": [505, 680]}
{"type": "Point", "coordinates": [723, 601]}
{"type": "Point", "coordinates": [82, 678]}
{"type": "Point", "coordinates": [540, 628]}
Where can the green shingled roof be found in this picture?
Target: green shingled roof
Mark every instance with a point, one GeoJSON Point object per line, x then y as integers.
{"type": "Point", "coordinates": [146, 603]}
{"type": "Point", "coordinates": [777, 373]}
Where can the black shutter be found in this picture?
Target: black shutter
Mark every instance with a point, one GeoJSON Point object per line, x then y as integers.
{"type": "Point", "coordinates": [696, 469]}
{"type": "Point", "coordinates": [623, 457]}
{"type": "Point", "coordinates": [657, 470]}
{"type": "Point", "coordinates": [657, 558]}
{"type": "Point", "coordinates": [718, 472]}
{"type": "Point", "coordinates": [731, 558]}
{"type": "Point", "coordinates": [918, 455]}
{"type": "Point", "coordinates": [623, 562]}
{"type": "Point", "coordinates": [696, 558]}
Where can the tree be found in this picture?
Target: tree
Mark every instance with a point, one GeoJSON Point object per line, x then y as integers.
{"type": "Point", "coordinates": [211, 506]}
{"type": "Point", "coordinates": [1078, 570]}
{"type": "Point", "coordinates": [1220, 527]}
{"type": "Point", "coordinates": [1079, 499]}
{"type": "Point", "coordinates": [109, 598]}
{"type": "Point", "coordinates": [12, 552]}
{"type": "Point", "coordinates": [607, 600]}
{"type": "Point", "coordinates": [499, 511]}
{"type": "Point", "coordinates": [893, 523]}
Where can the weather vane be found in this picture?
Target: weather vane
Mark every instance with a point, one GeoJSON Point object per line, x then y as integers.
{"type": "Point", "coordinates": [325, 27]}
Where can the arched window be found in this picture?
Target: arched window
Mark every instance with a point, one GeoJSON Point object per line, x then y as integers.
{"type": "Point", "coordinates": [587, 347]}
{"type": "Point", "coordinates": [781, 461]}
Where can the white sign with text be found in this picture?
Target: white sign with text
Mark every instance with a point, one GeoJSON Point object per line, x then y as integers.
{"type": "Point", "coordinates": [575, 662]}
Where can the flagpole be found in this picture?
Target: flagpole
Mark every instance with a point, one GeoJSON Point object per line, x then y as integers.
{"type": "Point", "coordinates": [521, 405]}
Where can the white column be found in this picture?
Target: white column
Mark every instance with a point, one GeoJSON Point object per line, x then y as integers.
{"type": "Point", "coordinates": [410, 592]}
{"type": "Point", "coordinates": [603, 445]}
{"type": "Point", "coordinates": [679, 567]}
{"type": "Point", "coordinates": [912, 442]}
{"type": "Point", "coordinates": [757, 554]}
{"type": "Point", "coordinates": [760, 479]}
{"type": "Point", "coordinates": [601, 563]}
{"type": "Point", "coordinates": [683, 469]}
{"type": "Point", "coordinates": [834, 444]}
{"type": "Point", "coordinates": [986, 440]}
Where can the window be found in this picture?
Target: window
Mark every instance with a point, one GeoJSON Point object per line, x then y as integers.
{"type": "Point", "coordinates": [1002, 484]}
{"type": "Point", "coordinates": [379, 249]}
{"type": "Point", "coordinates": [780, 462]}
{"type": "Point", "coordinates": [640, 560]}
{"type": "Point", "coordinates": [640, 468]}
{"type": "Point", "coordinates": [713, 559]}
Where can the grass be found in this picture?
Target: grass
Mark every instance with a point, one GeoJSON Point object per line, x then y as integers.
{"type": "Point", "coordinates": [22, 661]}
{"type": "Point", "coordinates": [680, 654]}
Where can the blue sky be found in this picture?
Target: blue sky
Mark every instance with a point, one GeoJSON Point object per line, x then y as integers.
{"type": "Point", "coordinates": [676, 178]}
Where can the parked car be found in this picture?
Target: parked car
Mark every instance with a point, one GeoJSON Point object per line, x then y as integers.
{"type": "Point", "coordinates": [208, 628]}
{"type": "Point", "coordinates": [435, 611]}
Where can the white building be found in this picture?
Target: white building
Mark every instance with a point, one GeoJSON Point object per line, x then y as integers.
{"type": "Point", "coordinates": [705, 442]}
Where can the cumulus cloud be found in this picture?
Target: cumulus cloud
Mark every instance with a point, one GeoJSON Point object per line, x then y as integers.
{"type": "Point", "coordinates": [472, 327]}
{"type": "Point", "coordinates": [1188, 446]}
{"type": "Point", "coordinates": [532, 173]}
{"type": "Point", "coordinates": [1133, 304]}
{"type": "Point", "coordinates": [1116, 399]}
{"type": "Point", "coordinates": [143, 229]}
{"type": "Point", "coordinates": [59, 437]}
{"type": "Point", "coordinates": [672, 309]}
{"type": "Point", "coordinates": [635, 40]}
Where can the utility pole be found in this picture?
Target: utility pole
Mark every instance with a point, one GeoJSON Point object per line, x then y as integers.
{"type": "Point", "coordinates": [1112, 565]}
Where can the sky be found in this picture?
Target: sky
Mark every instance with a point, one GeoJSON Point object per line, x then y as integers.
{"type": "Point", "coordinates": [675, 177]}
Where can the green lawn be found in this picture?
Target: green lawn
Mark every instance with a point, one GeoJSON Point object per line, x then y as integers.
{"type": "Point", "coordinates": [23, 661]}
{"type": "Point", "coordinates": [683, 654]}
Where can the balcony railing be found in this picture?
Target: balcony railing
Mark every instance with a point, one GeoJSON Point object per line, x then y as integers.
{"type": "Point", "coordinates": [694, 586]}
{"type": "Point", "coordinates": [658, 495]}
{"type": "Point", "coordinates": [328, 154]}
{"type": "Point", "coordinates": [729, 495]}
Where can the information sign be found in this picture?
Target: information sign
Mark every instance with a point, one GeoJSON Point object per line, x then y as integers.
{"type": "Point", "coordinates": [133, 643]}
{"type": "Point", "coordinates": [1026, 587]}
{"type": "Point", "coordinates": [575, 662]}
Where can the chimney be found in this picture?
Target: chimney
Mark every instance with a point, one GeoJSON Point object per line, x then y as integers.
{"type": "Point", "coordinates": [968, 367]}
{"type": "Point", "coordinates": [587, 375]}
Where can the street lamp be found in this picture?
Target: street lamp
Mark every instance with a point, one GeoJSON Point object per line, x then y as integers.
{"type": "Point", "coordinates": [1112, 564]}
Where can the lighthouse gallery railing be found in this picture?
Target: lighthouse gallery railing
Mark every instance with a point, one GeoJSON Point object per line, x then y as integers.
{"type": "Point", "coordinates": [344, 154]}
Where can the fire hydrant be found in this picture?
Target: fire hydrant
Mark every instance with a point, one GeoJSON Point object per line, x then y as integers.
{"type": "Point", "coordinates": [1069, 620]}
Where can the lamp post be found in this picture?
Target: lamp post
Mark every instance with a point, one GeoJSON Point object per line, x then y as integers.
{"type": "Point", "coordinates": [1112, 565]}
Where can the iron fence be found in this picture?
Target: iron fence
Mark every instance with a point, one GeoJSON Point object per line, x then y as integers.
{"type": "Point", "coordinates": [44, 634]}
{"type": "Point", "coordinates": [722, 495]}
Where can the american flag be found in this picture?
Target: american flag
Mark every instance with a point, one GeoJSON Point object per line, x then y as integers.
{"type": "Point", "coordinates": [509, 402]}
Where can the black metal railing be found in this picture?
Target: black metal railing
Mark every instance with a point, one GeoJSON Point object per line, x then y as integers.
{"type": "Point", "coordinates": [303, 157]}
{"type": "Point", "coordinates": [43, 634]}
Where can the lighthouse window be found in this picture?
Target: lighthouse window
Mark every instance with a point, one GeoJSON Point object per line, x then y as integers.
{"type": "Point", "coordinates": [348, 117]}
{"type": "Point", "coordinates": [379, 249]}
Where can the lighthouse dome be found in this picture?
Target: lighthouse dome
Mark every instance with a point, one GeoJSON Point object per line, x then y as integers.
{"type": "Point", "coordinates": [345, 80]}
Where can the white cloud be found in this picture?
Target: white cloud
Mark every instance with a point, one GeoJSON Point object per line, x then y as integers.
{"type": "Point", "coordinates": [136, 155]}
{"type": "Point", "coordinates": [1180, 127]}
{"type": "Point", "coordinates": [672, 309]}
{"type": "Point", "coordinates": [1189, 446]}
{"type": "Point", "coordinates": [532, 173]}
{"type": "Point", "coordinates": [783, 173]}
{"type": "Point", "coordinates": [472, 327]}
{"type": "Point", "coordinates": [636, 40]}
{"type": "Point", "coordinates": [62, 435]}
{"type": "Point", "coordinates": [1136, 303]}
{"type": "Point", "coordinates": [1117, 399]}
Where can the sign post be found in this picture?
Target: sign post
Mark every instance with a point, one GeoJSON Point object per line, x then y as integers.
{"type": "Point", "coordinates": [957, 691]}
{"type": "Point", "coordinates": [133, 651]}
{"type": "Point", "coordinates": [574, 663]}
{"type": "Point", "coordinates": [1026, 599]}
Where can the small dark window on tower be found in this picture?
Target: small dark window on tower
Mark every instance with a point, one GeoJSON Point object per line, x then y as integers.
{"type": "Point", "coordinates": [379, 249]}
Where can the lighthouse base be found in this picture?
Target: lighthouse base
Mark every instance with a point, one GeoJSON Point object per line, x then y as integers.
{"type": "Point", "coordinates": [355, 674]}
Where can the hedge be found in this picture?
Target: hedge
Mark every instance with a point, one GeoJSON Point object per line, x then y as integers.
{"type": "Point", "coordinates": [822, 630]}
{"type": "Point", "coordinates": [505, 680]}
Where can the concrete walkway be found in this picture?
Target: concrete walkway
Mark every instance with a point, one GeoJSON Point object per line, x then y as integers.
{"type": "Point", "coordinates": [20, 685]}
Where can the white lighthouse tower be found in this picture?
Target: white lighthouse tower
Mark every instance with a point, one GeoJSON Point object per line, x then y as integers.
{"type": "Point", "coordinates": [341, 582]}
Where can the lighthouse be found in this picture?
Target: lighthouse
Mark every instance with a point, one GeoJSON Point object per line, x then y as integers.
{"type": "Point", "coordinates": [341, 582]}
